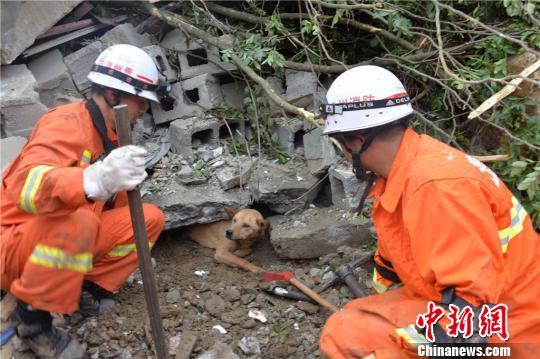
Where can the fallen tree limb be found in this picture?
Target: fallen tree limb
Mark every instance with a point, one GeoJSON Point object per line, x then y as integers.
{"type": "Point", "coordinates": [240, 15]}
{"type": "Point", "coordinates": [505, 91]}
{"type": "Point", "coordinates": [181, 23]}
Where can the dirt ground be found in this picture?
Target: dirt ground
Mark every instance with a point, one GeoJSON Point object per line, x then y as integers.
{"type": "Point", "coordinates": [192, 305]}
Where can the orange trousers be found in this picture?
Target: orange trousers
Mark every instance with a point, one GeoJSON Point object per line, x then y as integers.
{"type": "Point", "coordinates": [45, 260]}
{"type": "Point", "coordinates": [367, 325]}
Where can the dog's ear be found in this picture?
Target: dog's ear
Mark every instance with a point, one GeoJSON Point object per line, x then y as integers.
{"type": "Point", "coordinates": [262, 224]}
{"type": "Point", "coordinates": [231, 211]}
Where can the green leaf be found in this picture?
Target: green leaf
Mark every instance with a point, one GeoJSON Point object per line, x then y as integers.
{"type": "Point", "coordinates": [519, 164]}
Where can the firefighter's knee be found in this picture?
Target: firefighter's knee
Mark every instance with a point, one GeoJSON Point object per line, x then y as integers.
{"type": "Point", "coordinates": [84, 228]}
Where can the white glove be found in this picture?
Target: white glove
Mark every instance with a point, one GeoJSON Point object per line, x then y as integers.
{"type": "Point", "coordinates": [121, 170]}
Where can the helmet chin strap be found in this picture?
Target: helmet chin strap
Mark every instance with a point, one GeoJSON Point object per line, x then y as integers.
{"type": "Point", "coordinates": [116, 95]}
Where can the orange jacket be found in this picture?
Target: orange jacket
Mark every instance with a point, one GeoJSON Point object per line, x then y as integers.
{"type": "Point", "coordinates": [47, 176]}
{"type": "Point", "coordinates": [446, 220]}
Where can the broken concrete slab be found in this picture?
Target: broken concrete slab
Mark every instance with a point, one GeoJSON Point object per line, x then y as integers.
{"type": "Point", "coordinates": [316, 232]}
{"type": "Point", "coordinates": [184, 205]}
{"type": "Point", "coordinates": [80, 62]}
{"type": "Point", "coordinates": [52, 76]}
{"type": "Point", "coordinates": [161, 61]}
{"type": "Point", "coordinates": [318, 150]}
{"type": "Point", "coordinates": [10, 147]}
{"type": "Point", "coordinates": [290, 135]}
{"type": "Point", "coordinates": [236, 173]}
{"type": "Point", "coordinates": [301, 86]}
{"type": "Point", "coordinates": [23, 21]}
{"type": "Point", "coordinates": [283, 188]}
{"type": "Point", "coordinates": [20, 107]}
{"type": "Point", "coordinates": [345, 187]}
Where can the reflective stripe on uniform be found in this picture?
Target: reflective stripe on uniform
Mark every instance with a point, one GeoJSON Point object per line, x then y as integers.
{"type": "Point", "coordinates": [517, 217]}
{"type": "Point", "coordinates": [377, 285]}
{"type": "Point", "coordinates": [30, 188]}
{"type": "Point", "coordinates": [86, 158]}
{"type": "Point", "coordinates": [411, 336]}
{"type": "Point", "coordinates": [125, 249]}
{"type": "Point", "coordinates": [53, 257]}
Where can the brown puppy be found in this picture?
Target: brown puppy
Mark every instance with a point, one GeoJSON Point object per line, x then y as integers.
{"type": "Point", "coordinates": [232, 239]}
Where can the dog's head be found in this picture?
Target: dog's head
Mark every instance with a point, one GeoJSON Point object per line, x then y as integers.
{"type": "Point", "coordinates": [247, 226]}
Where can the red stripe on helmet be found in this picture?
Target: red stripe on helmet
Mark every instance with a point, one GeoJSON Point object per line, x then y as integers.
{"type": "Point", "coordinates": [145, 79]}
{"type": "Point", "coordinates": [401, 94]}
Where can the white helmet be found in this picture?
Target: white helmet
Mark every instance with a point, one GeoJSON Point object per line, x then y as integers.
{"type": "Point", "coordinates": [364, 97]}
{"type": "Point", "coordinates": [126, 68]}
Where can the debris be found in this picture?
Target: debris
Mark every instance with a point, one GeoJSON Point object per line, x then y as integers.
{"type": "Point", "coordinates": [250, 345]}
{"type": "Point", "coordinates": [258, 315]}
{"type": "Point", "coordinates": [10, 148]}
{"type": "Point", "coordinates": [20, 105]}
{"type": "Point", "coordinates": [23, 22]}
{"type": "Point", "coordinates": [220, 329]}
{"type": "Point", "coordinates": [201, 273]}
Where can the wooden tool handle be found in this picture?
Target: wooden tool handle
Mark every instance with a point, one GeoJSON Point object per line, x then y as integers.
{"type": "Point", "coordinates": [141, 241]}
{"type": "Point", "coordinates": [310, 293]}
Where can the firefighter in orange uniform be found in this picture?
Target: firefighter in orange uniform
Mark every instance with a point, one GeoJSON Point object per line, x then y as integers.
{"type": "Point", "coordinates": [66, 235]}
{"type": "Point", "coordinates": [449, 232]}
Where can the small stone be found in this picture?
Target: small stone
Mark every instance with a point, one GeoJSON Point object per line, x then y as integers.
{"type": "Point", "coordinates": [247, 298]}
{"type": "Point", "coordinates": [231, 294]}
{"type": "Point", "coordinates": [248, 324]}
{"type": "Point", "coordinates": [215, 305]}
{"type": "Point", "coordinates": [173, 296]}
{"type": "Point", "coordinates": [249, 345]}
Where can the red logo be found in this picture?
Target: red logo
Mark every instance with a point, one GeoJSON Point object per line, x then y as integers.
{"type": "Point", "coordinates": [429, 319]}
{"type": "Point", "coordinates": [494, 321]}
{"type": "Point", "coordinates": [460, 321]}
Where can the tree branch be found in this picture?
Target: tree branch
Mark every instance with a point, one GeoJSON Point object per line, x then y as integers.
{"type": "Point", "coordinates": [181, 23]}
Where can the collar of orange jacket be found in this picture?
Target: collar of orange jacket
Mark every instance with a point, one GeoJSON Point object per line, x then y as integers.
{"type": "Point", "coordinates": [389, 190]}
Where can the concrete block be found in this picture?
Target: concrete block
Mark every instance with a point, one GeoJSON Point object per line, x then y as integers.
{"type": "Point", "coordinates": [125, 34]}
{"type": "Point", "coordinates": [345, 187]}
{"type": "Point", "coordinates": [203, 90]}
{"type": "Point", "coordinates": [193, 97]}
{"type": "Point", "coordinates": [318, 151]}
{"type": "Point", "coordinates": [80, 62]}
{"type": "Point", "coordinates": [290, 135]}
{"type": "Point", "coordinates": [233, 94]}
{"type": "Point", "coordinates": [23, 21]}
{"type": "Point", "coordinates": [189, 133]}
{"type": "Point", "coordinates": [301, 86]}
{"type": "Point", "coordinates": [198, 58]}
{"type": "Point", "coordinates": [182, 108]}
{"type": "Point", "coordinates": [161, 61]}
{"type": "Point", "coordinates": [52, 77]}
{"type": "Point", "coordinates": [277, 85]}
{"type": "Point", "coordinates": [10, 147]}
{"type": "Point", "coordinates": [174, 40]}
{"type": "Point", "coordinates": [193, 132]}
{"type": "Point", "coordinates": [19, 103]}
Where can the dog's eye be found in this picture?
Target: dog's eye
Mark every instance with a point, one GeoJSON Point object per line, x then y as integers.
{"type": "Point", "coordinates": [245, 225]}
{"type": "Point", "coordinates": [234, 221]}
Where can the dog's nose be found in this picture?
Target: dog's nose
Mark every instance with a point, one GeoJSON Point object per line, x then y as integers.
{"type": "Point", "coordinates": [228, 234]}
